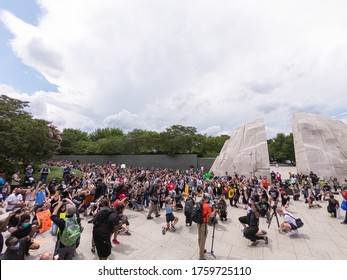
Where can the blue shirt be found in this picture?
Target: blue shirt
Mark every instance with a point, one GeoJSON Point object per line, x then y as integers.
{"type": "Point", "coordinates": [168, 209]}
{"type": "Point", "coordinates": [40, 198]}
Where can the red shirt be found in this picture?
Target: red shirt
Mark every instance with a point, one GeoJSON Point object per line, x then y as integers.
{"type": "Point", "coordinates": [206, 211]}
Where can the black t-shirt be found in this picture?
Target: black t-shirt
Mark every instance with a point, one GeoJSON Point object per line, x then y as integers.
{"type": "Point", "coordinates": [21, 232]}
{"type": "Point", "coordinates": [253, 220]}
{"type": "Point", "coordinates": [274, 194]}
{"type": "Point", "coordinates": [113, 221]}
{"type": "Point", "coordinates": [17, 254]}
{"type": "Point", "coordinates": [100, 190]}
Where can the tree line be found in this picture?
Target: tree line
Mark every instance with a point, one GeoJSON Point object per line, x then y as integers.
{"type": "Point", "coordinates": [26, 139]}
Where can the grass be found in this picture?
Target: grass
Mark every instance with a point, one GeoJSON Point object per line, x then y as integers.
{"type": "Point", "coordinates": [56, 173]}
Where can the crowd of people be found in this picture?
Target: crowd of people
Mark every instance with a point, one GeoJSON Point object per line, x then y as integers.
{"type": "Point", "coordinates": [104, 192]}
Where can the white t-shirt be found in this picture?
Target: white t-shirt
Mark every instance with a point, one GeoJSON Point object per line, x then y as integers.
{"type": "Point", "coordinates": [13, 199]}
{"type": "Point", "coordinates": [289, 218]}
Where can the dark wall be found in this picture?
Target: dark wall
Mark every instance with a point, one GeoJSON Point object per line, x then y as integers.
{"type": "Point", "coordinates": [181, 162]}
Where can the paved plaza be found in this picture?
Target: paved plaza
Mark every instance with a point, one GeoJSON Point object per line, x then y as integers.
{"type": "Point", "coordinates": [321, 238]}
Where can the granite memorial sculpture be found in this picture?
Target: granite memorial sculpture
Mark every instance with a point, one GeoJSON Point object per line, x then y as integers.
{"type": "Point", "coordinates": [320, 146]}
{"type": "Point", "coordinates": [245, 153]}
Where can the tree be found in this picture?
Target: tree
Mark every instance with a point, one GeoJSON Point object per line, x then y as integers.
{"type": "Point", "coordinates": [141, 142]}
{"type": "Point", "coordinates": [210, 146]}
{"type": "Point", "coordinates": [281, 148]}
{"type": "Point", "coordinates": [24, 139]}
{"type": "Point", "coordinates": [101, 133]}
{"type": "Point", "coordinates": [75, 141]}
{"type": "Point", "coordinates": [178, 139]}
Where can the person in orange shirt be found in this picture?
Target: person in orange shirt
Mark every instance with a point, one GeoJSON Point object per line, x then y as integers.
{"type": "Point", "coordinates": [265, 183]}
{"type": "Point", "coordinates": [202, 228]}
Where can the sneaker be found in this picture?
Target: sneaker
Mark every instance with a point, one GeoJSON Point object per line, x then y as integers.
{"type": "Point", "coordinates": [263, 232]}
{"type": "Point", "coordinates": [190, 226]}
{"type": "Point", "coordinates": [157, 215]}
{"type": "Point", "coordinates": [289, 233]}
{"type": "Point", "coordinates": [173, 228]}
{"type": "Point", "coordinates": [149, 218]}
{"type": "Point", "coordinates": [127, 233]}
{"type": "Point", "coordinates": [163, 231]}
{"type": "Point", "coordinates": [266, 239]}
{"type": "Point", "coordinates": [115, 241]}
{"type": "Point", "coordinates": [319, 206]}
{"type": "Point", "coordinates": [255, 243]}
{"type": "Point", "coordinates": [344, 223]}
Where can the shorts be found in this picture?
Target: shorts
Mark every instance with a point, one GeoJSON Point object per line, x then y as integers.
{"type": "Point", "coordinates": [169, 218]}
{"type": "Point", "coordinates": [292, 226]}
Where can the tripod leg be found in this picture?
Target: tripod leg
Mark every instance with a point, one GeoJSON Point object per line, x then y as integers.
{"type": "Point", "coordinates": [214, 228]}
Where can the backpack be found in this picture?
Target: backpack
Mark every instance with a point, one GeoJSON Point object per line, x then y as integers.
{"type": "Point", "coordinates": [189, 206]}
{"type": "Point", "coordinates": [197, 215]}
{"type": "Point", "coordinates": [71, 233]}
{"type": "Point", "coordinates": [101, 217]}
{"type": "Point", "coordinates": [150, 189]}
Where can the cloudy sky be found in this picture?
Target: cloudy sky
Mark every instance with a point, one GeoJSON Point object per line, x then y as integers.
{"type": "Point", "coordinates": [213, 65]}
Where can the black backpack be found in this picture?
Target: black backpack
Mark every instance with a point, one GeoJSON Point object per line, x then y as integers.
{"type": "Point", "coordinates": [101, 217]}
{"type": "Point", "coordinates": [197, 215]}
{"type": "Point", "coordinates": [151, 189]}
{"type": "Point", "coordinates": [189, 206]}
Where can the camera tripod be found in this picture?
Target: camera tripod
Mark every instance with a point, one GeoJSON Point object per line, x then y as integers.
{"type": "Point", "coordinates": [274, 213]}
{"type": "Point", "coordinates": [214, 228]}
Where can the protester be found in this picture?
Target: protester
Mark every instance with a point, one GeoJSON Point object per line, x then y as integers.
{"type": "Point", "coordinates": [202, 228]}
{"type": "Point", "coordinates": [66, 246]}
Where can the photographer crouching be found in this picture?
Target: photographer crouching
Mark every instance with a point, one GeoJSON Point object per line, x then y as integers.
{"type": "Point", "coordinates": [250, 223]}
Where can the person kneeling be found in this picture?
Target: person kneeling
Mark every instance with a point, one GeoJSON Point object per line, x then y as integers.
{"type": "Point", "coordinates": [289, 226]}
{"type": "Point", "coordinates": [251, 224]}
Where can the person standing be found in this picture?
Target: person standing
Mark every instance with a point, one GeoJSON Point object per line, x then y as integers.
{"type": "Point", "coordinates": [154, 201]}
{"type": "Point", "coordinates": [188, 210]}
{"type": "Point", "coordinates": [64, 247]}
{"type": "Point", "coordinates": [106, 221]}
{"type": "Point", "coordinates": [44, 172]}
{"type": "Point", "coordinates": [202, 228]}
{"type": "Point", "coordinates": [344, 195]}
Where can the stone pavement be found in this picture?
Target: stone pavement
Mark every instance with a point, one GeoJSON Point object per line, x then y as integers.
{"type": "Point", "coordinates": [321, 238]}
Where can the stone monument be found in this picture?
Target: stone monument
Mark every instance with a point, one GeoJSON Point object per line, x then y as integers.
{"type": "Point", "coordinates": [320, 145]}
{"type": "Point", "coordinates": [245, 153]}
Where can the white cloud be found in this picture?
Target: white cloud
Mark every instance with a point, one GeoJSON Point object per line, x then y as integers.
{"type": "Point", "coordinates": [214, 66]}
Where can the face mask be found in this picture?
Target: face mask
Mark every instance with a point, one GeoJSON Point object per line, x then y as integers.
{"type": "Point", "coordinates": [15, 247]}
{"type": "Point", "coordinates": [25, 225]}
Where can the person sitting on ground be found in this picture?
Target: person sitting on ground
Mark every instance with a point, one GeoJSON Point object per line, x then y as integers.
{"type": "Point", "coordinates": [333, 204]}
{"type": "Point", "coordinates": [288, 226]}
{"type": "Point", "coordinates": [3, 227]}
{"type": "Point", "coordinates": [171, 220]}
{"type": "Point", "coordinates": [23, 230]}
{"type": "Point", "coordinates": [15, 200]}
{"type": "Point", "coordinates": [264, 208]}
{"type": "Point", "coordinates": [311, 199]}
{"type": "Point", "coordinates": [16, 248]}
{"type": "Point", "coordinates": [46, 256]}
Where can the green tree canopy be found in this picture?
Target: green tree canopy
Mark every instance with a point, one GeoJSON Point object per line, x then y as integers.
{"type": "Point", "coordinates": [24, 139]}
{"type": "Point", "coordinates": [281, 148]}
